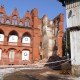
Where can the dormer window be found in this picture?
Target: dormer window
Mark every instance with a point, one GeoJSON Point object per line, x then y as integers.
{"type": "Point", "coordinates": [1, 14]}
{"type": "Point", "coordinates": [14, 17]}
{"type": "Point", "coordinates": [21, 23]}
{"type": "Point", "coordinates": [1, 18]}
{"type": "Point", "coordinates": [14, 20]}
{"type": "Point", "coordinates": [27, 22]}
{"type": "Point", "coordinates": [8, 21]}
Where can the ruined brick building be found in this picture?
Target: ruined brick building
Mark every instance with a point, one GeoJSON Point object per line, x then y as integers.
{"type": "Point", "coordinates": [52, 36]}
{"type": "Point", "coordinates": [26, 40]}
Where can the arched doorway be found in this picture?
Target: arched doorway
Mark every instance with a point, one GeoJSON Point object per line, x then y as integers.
{"type": "Point", "coordinates": [11, 55]}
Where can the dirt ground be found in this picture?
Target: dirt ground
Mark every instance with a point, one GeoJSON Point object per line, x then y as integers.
{"type": "Point", "coordinates": [39, 74]}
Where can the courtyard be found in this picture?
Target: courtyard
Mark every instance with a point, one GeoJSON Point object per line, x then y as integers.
{"type": "Point", "coordinates": [37, 74]}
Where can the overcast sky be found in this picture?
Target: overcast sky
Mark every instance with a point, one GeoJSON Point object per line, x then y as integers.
{"type": "Point", "coordinates": [51, 8]}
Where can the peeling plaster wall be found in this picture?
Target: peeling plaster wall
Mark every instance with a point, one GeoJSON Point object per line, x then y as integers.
{"type": "Point", "coordinates": [52, 32]}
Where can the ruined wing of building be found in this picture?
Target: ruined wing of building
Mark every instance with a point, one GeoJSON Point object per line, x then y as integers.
{"type": "Point", "coordinates": [52, 32]}
{"type": "Point", "coordinates": [26, 40]}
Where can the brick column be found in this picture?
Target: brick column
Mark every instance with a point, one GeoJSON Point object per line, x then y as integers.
{"type": "Point", "coordinates": [6, 40]}
{"type": "Point", "coordinates": [36, 35]}
{"type": "Point", "coordinates": [36, 43]}
{"type": "Point", "coordinates": [19, 41]}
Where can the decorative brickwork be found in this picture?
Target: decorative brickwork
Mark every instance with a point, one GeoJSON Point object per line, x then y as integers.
{"type": "Point", "coordinates": [25, 37]}
{"type": "Point", "coordinates": [23, 41]}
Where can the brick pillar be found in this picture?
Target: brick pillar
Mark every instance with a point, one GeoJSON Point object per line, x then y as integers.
{"type": "Point", "coordinates": [60, 41]}
{"type": "Point", "coordinates": [60, 35]}
{"type": "Point", "coordinates": [6, 40]}
{"type": "Point", "coordinates": [36, 44]}
{"type": "Point", "coordinates": [19, 41]}
{"type": "Point", "coordinates": [36, 35]}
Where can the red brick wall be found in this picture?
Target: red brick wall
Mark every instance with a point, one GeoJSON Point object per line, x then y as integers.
{"type": "Point", "coordinates": [60, 35]}
{"type": "Point", "coordinates": [32, 30]}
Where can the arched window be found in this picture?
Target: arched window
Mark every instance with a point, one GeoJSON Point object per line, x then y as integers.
{"type": "Point", "coordinates": [27, 22]}
{"type": "Point", "coordinates": [25, 55]}
{"type": "Point", "coordinates": [1, 18]}
{"type": "Point", "coordinates": [13, 38]}
{"type": "Point", "coordinates": [11, 55]}
{"type": "Point", "coordinates": [1, 14]}
{"type": "Point", "coordinates": [0, 53]}
{"type": "Point", "coordinates": [1, 36]}
{"type": "Point", "coordinates": [21, 23]}
{"type": "Point", "coordinates": [14, 20]}
{"type": "Point", "coordinates": [26, 39]}
{"type": "Point", "coordinates": [7, 21]}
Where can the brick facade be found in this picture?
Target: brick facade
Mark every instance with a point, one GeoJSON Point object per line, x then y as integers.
{"type": "Point", "coordinates": [21, 40]}
{"type": "Point", "coordinates": [19, 27]}
{"type": "Point", "coordinates": [52, 36]}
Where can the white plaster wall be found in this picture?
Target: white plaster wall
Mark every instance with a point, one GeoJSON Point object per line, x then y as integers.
{"type": "Point", "coordinates": [50, 53]}
{"type": "Point", "coordinates": [47, 38]}
{"type": "Point", "coordinates": [75, 47]}
{"type": "Point", "coordinates": [44, 29]}
{"type": "Point", "coordinates": [49, 32]}
{"type": "Point", "coordinates": [50, 46]}
{"type": "Point", "coordinates": [45, 46]}
{"type": "Point", "coordinates": [73, 16]}
{"type": "Point", "coordinates": [50, 41]}
{"type": "Point", "coordinates": [56, 31]}
{"type": "Point", "coordinates": [51, 23]}
{"type": "Point", "coordinates": [45, 20]}
{"type": "Point", "coordinates": [45, 42]}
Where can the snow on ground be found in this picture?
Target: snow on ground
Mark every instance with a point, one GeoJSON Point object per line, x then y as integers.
{"type": "Point", "coordinates": [5, 71]}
